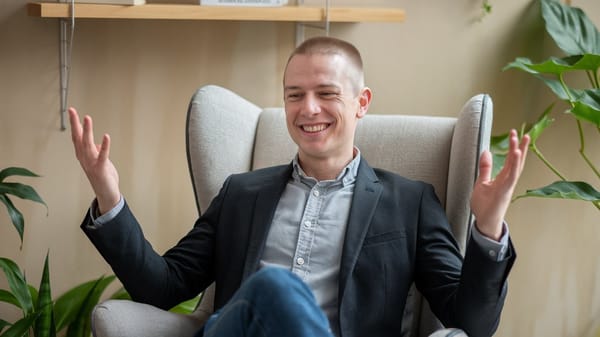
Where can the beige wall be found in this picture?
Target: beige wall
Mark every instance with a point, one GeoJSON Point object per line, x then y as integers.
{"type": "Point", "coordinates": [135, 78]}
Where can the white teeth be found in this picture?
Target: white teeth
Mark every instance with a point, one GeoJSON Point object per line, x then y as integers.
{"type": "Point", "coordinates": [314, 128]}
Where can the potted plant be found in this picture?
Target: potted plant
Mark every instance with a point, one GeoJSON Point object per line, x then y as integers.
{"type": "Point", "coordinates": [43, 316]}
{"type": "Point", "coordinates": [579, 39]}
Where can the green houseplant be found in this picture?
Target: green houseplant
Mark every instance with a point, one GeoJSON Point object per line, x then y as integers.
{"type": "Point", "coordinates": [43, 316]}
{"type": "Point", "coordinates": [579, 39]}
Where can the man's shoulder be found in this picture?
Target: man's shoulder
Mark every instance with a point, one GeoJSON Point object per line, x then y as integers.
{"type": "Point", "coordinates": [388, 177]}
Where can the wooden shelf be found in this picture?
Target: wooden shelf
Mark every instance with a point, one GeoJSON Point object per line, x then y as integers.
{"type": "Point", "coordinates": [197, 12]}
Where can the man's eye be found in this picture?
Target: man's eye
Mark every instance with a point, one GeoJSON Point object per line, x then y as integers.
{"type": "Point", "coordinates": [293, 97]}
{"type": "Point", "coordinates": [327, 94]}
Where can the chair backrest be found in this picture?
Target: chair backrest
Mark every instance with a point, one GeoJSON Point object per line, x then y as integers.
{"type": "Point", "coordinates": [227, 134]}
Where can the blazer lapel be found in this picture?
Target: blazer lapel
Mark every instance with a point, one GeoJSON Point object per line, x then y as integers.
{"type": "Point", "coordinates": [366, 196]}
{"type": "Point", "coordinates": [267, 199]}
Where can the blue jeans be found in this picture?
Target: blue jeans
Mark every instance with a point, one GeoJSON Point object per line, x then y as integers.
{"type": "Point", "coordinates": [272, 302]}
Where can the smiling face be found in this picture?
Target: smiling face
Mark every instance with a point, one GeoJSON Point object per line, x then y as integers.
{"type": "Point", "coordinates": [323, 103]}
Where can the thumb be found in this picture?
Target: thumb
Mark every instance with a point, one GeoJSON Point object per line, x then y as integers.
{"type": "Point", "coordinates": [485, 166]}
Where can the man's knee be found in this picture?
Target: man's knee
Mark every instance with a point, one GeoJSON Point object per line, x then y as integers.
{"type": "Point", "coordinates": [277, 283]}
{"type": "Point", "coordinates": [273, 278]}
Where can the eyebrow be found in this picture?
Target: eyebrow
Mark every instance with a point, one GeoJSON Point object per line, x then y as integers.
{"type": "Point", "coordinates": [320, 86]}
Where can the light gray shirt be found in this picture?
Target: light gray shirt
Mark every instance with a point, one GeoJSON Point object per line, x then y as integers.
{"type": "Point", "coordinates": [308, 230]}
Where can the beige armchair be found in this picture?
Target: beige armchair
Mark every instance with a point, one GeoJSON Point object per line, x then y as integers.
{"type": "Point", "coordinates": [227, 134]}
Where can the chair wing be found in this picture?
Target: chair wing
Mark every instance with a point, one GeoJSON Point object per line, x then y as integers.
{"type": "Point", "coordinates": [220, 132]}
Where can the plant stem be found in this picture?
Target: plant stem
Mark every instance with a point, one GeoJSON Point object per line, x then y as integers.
{"type": "Point", "coordinates": [538, 153]}
{"type": "Point", "coordinates": [593, 77]}
{"type": "Point", "coordinates": [582, 149]}
{"type": "Point", "coordinates": [566, 89]}
{"type": "Point", "coordinates": [590, 76]}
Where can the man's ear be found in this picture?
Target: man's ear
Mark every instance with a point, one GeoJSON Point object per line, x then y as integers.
{"type": "Point", "coordinates": [364, 99]}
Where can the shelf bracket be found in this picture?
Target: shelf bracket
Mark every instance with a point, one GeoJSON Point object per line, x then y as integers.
{"type": "Point", "coordinates": [300, 26]}
{"type": "Point", "coordinates": [66, 30]}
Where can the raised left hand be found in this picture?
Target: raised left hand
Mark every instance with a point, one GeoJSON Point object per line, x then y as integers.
{"type": "Point", "coordinates": [491, 197]}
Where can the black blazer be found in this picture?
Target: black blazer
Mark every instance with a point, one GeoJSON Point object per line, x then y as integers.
{"type": "Point", "coordinates": [397, 233]}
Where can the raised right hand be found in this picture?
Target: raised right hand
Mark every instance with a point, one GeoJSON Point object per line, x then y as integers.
{"type": "Point", "coordinates": [94, 160]}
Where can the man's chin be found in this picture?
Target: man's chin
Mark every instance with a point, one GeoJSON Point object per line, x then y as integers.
{"type": "Point", "coordinates": [314, 152]}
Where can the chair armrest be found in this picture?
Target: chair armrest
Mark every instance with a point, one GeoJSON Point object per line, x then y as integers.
{"type": "Point", "coordinates": [123, 318]}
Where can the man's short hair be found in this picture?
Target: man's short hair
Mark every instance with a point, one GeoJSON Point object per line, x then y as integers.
{"type": "Point", "coordinates": [333, 46]}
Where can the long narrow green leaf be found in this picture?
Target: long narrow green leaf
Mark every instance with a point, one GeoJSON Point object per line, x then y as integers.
{"type": "Point", "coordinates": [16, 217]}
{"type": "Point", "coordinates": [82, 324]}
{"type": "Point", "coordinates": [34, 293]}
{"type": "Point", "coordinates": [570, 28]}
{"type": "Point", "coordinates": [540, 125]}
{"type": "Point", "coordinates": [186, 307]}
{"type": "Point", "coordinates": [574, 190]}
{"type": "Point", "coordinates": [44, 325]}
{"type": "Point", "coordinates": [20, 327]}
{"type": "Point", "coordinates": [120, 294]}
{"type": "Point", "coordinates": [22, 191]}
{"type": "Point", "coordinates": [3, 324]}
{"type": "Point", "coordinates": [17, 284]}
{"type": "Point", "coordinates": [16, 171]}
{"type": "Point", "coordinates": [68, 306]}
{"type": "Point", "coordinates": [7, 297]}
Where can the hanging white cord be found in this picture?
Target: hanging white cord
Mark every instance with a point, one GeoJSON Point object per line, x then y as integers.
{"type": "Point", "coordinates": [326, 17]}
{"type": "Point", "coordinates": [300, 26]}
{"type": "Point", "coordinates": [66, 49]}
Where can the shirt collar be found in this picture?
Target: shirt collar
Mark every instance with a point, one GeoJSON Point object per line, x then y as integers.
{"type": "Point", "coordinates": [347, 176]}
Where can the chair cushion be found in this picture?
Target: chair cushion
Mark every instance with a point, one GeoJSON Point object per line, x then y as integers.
{"type": "Point", "coordinates": [122, 318]}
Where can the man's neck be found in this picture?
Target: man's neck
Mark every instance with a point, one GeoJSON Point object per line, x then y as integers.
{"type": "Point", "coordinates": [324, 168]}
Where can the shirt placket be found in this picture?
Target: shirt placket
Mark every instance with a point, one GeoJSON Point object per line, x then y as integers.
{"type": "Point", "coordinates": [306, 235]}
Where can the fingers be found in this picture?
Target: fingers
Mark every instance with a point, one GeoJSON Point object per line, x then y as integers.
{"type": "Point", "coordinates": [524, 146]}
{"type": "Point", "coordinates": [75, 125]}
{"type": "Point", "coordinates": [83, 139]}
{"type": "Point", "coordinates": [515, 161]}
{"type": "Point", "coordinates": [104, 148]}
{"type": "Point", "coordinates": [88, 134]}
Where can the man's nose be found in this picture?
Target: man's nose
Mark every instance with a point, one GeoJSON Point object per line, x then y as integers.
{"type": "Point", "coordinates": [311, 105]}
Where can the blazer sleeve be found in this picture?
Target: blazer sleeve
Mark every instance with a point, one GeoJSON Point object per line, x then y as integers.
{"type": "Point", "coordinates": [163, 281]}
{"type": "Point", "coordinates": [466, 293]}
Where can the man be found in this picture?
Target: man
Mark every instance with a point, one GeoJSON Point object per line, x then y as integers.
{"type": "Point", "coordinates": [346, 240]}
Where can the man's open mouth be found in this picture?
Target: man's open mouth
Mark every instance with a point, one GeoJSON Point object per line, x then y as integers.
{"type": "Point", "coordinates": [315, 127]}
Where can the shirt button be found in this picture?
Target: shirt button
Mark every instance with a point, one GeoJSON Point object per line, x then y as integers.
{"type": "Point", "coordinates": [492, 253]}
{"type": "Point", "coordinates": [300, 261]}
{"type": "Point", "coordinates": [307, 224]}
{"type": "Point", "coordinates": [316, 193]}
